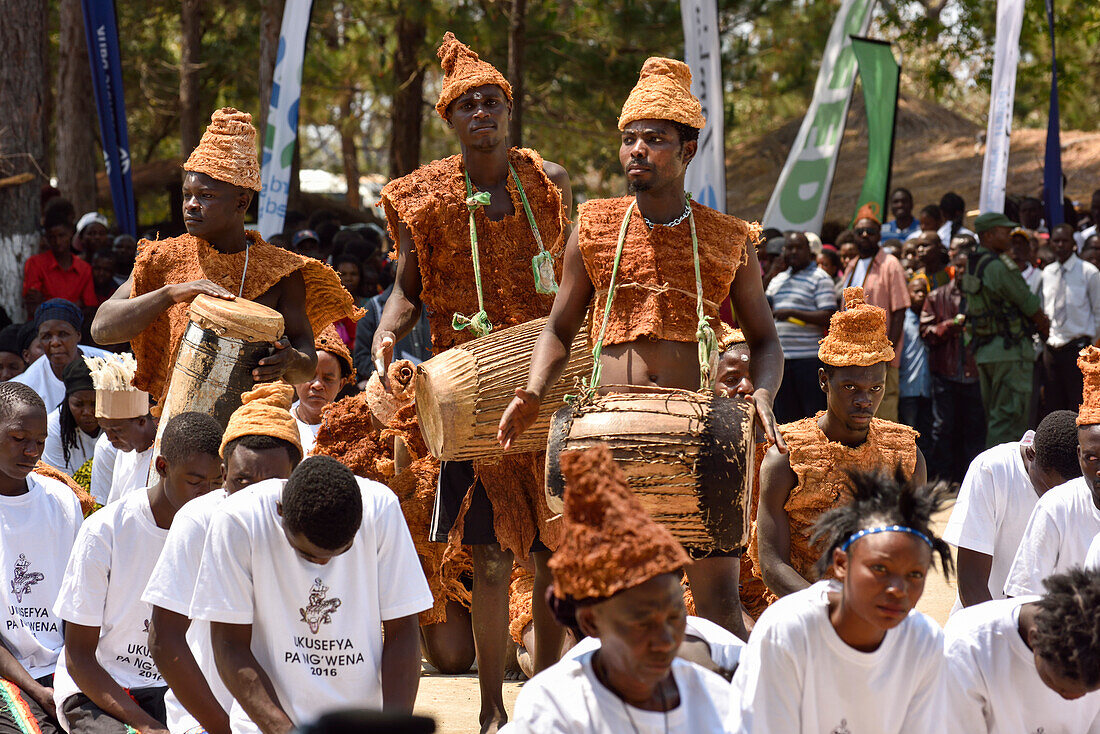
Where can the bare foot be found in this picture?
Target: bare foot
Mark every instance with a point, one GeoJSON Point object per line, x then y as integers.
{"type": "Point", "coordinates": [494, 722]}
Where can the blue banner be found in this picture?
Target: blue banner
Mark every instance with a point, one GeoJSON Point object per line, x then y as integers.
{"type": "Point", "coordinates": [101, 30]}
{"type": "Point", "coordinates": [282, 118]}
{"type": "Point", "coordinates": [1052, 163]}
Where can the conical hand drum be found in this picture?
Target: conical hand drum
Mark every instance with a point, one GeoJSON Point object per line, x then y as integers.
{"type": "Point", "coordinates": [687, 456]}
{"type": "Point", "coordinates": [462, 393]}
{"type": "Point", "coordinates": [223, 343]}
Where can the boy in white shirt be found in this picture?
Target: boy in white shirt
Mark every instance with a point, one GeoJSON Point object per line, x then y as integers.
{"type": "Point", "coordinates": [1030, 664]}
{"type": "Point", "coordinates": [852, 654]}
{"type": "Point", "coordinates": [1067, 518]}
{"type": "Point", "coordinates": [106, 681]}
{"type": "Point", "coordinates": [39, 520]}
{"type": "Point", "coordinates": [260, 442]}
{"type": "Point", "coordinates": [998, 493]}
{"type": "Point", "coordinates": [300, 580]}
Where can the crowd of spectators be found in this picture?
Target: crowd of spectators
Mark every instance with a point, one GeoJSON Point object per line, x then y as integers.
{"type": "Point", "coordinates": [909, 266]}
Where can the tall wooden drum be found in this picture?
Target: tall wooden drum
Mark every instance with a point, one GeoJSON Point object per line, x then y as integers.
{"type": "Point", "coordinates": [461, 394]}
{"type": "Point", "coordinates": [688, 458]}
{"type": "Point", "coordinates": [222, 344]}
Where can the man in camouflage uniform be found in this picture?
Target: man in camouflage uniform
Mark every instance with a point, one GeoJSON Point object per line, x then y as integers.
{"type": "Point", "coordinates": [1000, 316]}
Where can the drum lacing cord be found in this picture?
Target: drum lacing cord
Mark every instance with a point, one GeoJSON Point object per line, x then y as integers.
{"type": "Point", "coordinates": [479, 323]}
{"type": "Point", "coordinates": [708, 341]}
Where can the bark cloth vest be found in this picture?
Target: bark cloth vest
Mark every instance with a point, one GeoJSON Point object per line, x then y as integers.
{"type": "Point", "coordinates": [187, 258]}
{"type": "Point", "coordinates": [821, 467]}
{"type": "Point", "coordinates": [431, 203]}
{"type": "Point", "coordinates": [655, 297]}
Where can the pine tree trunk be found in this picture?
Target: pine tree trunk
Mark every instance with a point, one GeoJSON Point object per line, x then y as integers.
{"type": "Point", "coordinates": [76, 124]}
{"type": "Point", "coordinates": [271, 22]}
{"type": "Point", "coordinates": [23, 86]}
{"type": "Point", "coordinates": [190, 58]}
{"type": "Point", "coordinates": [349, 128]}
{"type": "Point", "coordinates": [408, 104]}
{"type": "Point", "coordinates": [517, 47]}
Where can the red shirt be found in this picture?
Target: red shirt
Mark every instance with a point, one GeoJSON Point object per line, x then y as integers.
{"type": "Point", "coordinates": [42, 273]}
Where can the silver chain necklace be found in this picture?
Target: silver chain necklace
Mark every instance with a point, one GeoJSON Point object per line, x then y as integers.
{"type": "Point", "coordinates": [674, 222]}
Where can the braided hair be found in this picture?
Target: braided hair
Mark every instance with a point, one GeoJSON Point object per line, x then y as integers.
{"type": "Point", "coordinates": [69, 439]}
{"type": "Point", "coordinates": [878, 500]}
{"type": "Point", "coordinates": [1067, 627]}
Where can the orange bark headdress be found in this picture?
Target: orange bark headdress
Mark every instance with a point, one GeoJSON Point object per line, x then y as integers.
{"type": "Point", "coordinates": [264, 411]}
{"type": "Point", "coordinates": [1089, 364]}
{"type": "Point", "coordinates": [870, 210]}
{"type": "Point", "coordinates": [462, 71]}
{"type": "Point", "coordinates": [609, 543]}
{"type": "Point", "coordinates": [663, 92]}
{"type": "Point", "coordinates": [227, 151]}
{"type": "Point", "coordinates": [857, 335]}
{"type": "Point", "coordinates": [329, 340]}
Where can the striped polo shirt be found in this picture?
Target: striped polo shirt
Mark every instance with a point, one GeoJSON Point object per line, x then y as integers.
{"type": "Point", "coordinates": [810, 289]}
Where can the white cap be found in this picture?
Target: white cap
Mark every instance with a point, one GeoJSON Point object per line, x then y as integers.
{"type": "Point", "coordinates": [90, 218]}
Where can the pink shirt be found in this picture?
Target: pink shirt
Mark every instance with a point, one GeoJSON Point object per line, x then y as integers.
{"type": "Point", "coordinates": [884, 286]}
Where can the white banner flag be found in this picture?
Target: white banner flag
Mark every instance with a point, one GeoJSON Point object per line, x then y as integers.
{"type": "Point", "coordinates": [282, 117]}
{"type": "Point", "coordinates": [706, 176]}
{"type": "Point", "coordinates": [802, 192]}
{"type": "Point", "coordinates": [1002, 92]}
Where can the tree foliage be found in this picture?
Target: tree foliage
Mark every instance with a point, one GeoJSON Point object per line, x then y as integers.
{"type": "Point", "coordinates": [582, 58]}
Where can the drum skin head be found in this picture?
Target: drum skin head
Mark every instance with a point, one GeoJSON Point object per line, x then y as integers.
{"type": "Point", "coordinates": [237, 319]}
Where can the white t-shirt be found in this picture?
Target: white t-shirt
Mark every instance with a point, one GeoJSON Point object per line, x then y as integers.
{"type": "Point", "coordinates": [131, 472]}
{"type": "Point", "coordinates": [32, 563]}
{"type": "Point", "coordinates": [1058, 535]}
{"type": "Point", "coordinates": [306, 432]}
{"type": "Point", "coordinates": [995, 501]}
{"type": "Point", "coordinates": [39, 376]}
{"type": "Point", "coordinates": [103, 468]}
{"type": "Point", "coordinates": [316, 629]}
{"type": "Point", "coordinates": [725, 647]}
{"type": "Point", "coordinates": [1092, 558]}
{"type": "Point", "coordinates": [54, 455]}
{"type": "Point", "coordinates": [172, 585]}
{"type": "Point", "coordinates": [567, 697]}
{"type": "Point", "coordinates": [798, 677]}
{"type": "Point", "coordinates": [122, 537]}
{"type": "Point", "coordinates": [859, 275]}
{"type": "Point", "coordinates": [994, 686]}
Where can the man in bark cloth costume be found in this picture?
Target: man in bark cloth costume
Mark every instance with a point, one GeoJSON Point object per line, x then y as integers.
{"type": "Point", "coordinates": [666, 299]}
{"type": "Point", "coordinates": [479, 239]}
{"type": "Point", "coordinates": [217, 257]}
{"type": "Point", "coordinates": [811, 477]}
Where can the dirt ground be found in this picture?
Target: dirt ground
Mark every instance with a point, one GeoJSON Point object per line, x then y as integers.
{"type": "Point", "coordinates": [453, 700]}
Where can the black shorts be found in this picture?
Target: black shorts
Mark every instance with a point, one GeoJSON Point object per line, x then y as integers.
{"type": "Point", "coordinates": [455, 479]}
{"type": "Point", "coordinates": [86, 718]}
{"type": "Point", "coordinates": [15, 704]}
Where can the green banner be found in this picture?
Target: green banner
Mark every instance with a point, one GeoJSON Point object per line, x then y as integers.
{"type": "Point", "coordinates": [880, 73]}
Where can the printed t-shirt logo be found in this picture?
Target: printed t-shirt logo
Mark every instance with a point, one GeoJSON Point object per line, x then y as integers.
{"type": "Point", "coordinates": [319, 610]}
{"type": "Point", "coordinates": [842, 729]}
{"type": "Point", "coordinates": [22, 582]}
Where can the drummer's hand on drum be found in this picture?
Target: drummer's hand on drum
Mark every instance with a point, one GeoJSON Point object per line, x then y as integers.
{"type": "Point", "coordinates": [273, 366]}
{"type": "Point", "coordinates": [382, 352]}
{"type": "Point", "coordinates": [186, 292]}
{"type": "Point", "coordinates": [762, 399]}
{"type": "Point", "coordinates": [520, 415]}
